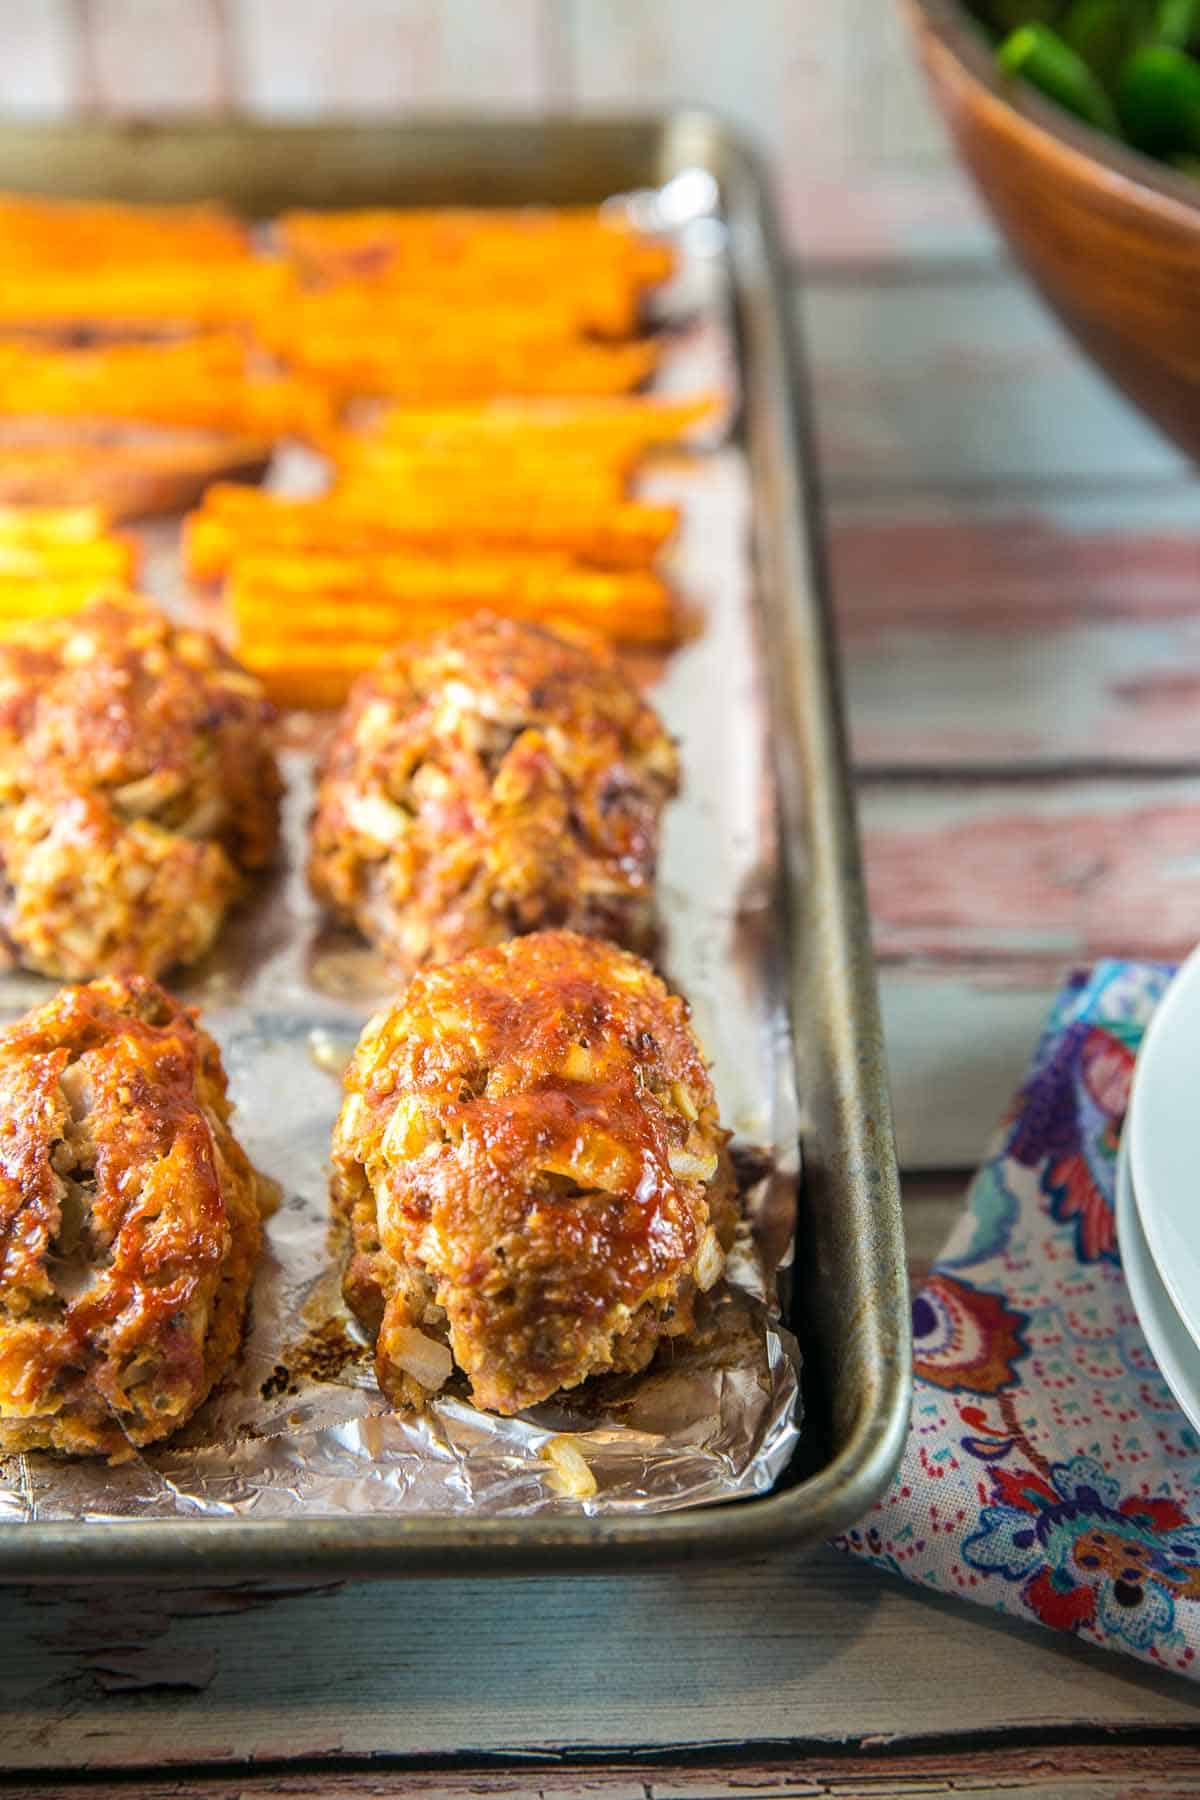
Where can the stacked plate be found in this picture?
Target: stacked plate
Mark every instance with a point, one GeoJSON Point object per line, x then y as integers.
{"type": "Point", "coordinates": [1158, 1188]}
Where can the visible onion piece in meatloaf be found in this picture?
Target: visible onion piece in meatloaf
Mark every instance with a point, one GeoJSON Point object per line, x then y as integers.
{"type": "Point", "coordinates": [137, 784]}
{"type": "Point", "coordinates": [129, 1221]}
{"type": "Point", "coordinates": [532, 1168]}
{"type": "Point", "coordinates": [495, 780]}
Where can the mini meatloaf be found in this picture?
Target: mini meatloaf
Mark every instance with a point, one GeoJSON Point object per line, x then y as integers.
{"type": "Point", "coordinates": [495, 780]}
{"type": "Point", "coordinates": [129, 1221]}
{"type": "Point", "coordinates": [533, 1172]}
{"type": "Point", "coordinates": [137, 784]}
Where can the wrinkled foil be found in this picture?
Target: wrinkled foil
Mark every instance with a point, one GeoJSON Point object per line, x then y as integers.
{"type": "Point", "coordinates": [300, 1426]}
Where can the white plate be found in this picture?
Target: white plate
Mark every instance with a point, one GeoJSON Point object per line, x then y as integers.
{"type": "Point", "coordinates": [1163, 1134]}
{"type": "Point", "coordinates": [1173, 1350]}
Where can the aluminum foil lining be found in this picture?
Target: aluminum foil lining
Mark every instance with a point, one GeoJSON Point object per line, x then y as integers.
{"type": "Point", "coordinates": [300, 1426]}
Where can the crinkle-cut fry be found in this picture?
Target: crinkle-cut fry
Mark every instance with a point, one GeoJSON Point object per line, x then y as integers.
{"type": "Point", "coordinates": [470, 371]}
{"type": "Point", "coordinates": [351, 596]}
{"type": "Point", "coordinates": [201, 383]}
{"type": "Point", "coordinates": [81, 233]}
{"type": "Point", "coordinates": [52, 525]}
{"type": "Point", "coordinates": [129, 480]}
{"type": "Point", "coordinates": [639, 422]}
{"type": "Point", "coordinates": [191, 294]}
{"type": "Point", "coordinates": [105, 559]}
{"type": "Point", "coordinates": [627, 535]}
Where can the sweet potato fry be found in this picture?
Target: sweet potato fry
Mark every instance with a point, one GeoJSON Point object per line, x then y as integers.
{"type": "Point", "coordinates": [81, 234]}
{"type": "Point", "coordinates": [158, 293]}
{"type": "Point", "coordinates": [368, 465]}
{"type": "Point", "coordinates": [24, 601]}
{"type": "Point", "coordinates": [52, 525]}
{"type": "Point", "coordinates": [350, 597]}
{"type": "Point", "coordinates": [630, 425]}
{"type": "Point", "coordinates": [384, 321]}
{"type": "Point", "coordinates": [205, 383]}
{"type": "Point", "coordinates": [308, 675]}
{"type": "Point", "coordinates": [128, 471]}
{"type": "Point", "coordinates": [319, 674]}
{"type": "Point", "coordinates": [594, 261]}
{"type": "Point", "coordinates": [447, 371]}
{"type": "Point", "coordinates": [625, 535]}
{"type": "Point", "coordinates": [103, 560]}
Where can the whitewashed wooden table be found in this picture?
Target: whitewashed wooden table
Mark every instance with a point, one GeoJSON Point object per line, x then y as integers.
{"type": "Point", "coordinates": [1017, 565]}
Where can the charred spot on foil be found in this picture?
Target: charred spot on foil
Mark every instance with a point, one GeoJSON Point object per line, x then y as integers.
{"type": "Point", "coordinates": [320, 1355]}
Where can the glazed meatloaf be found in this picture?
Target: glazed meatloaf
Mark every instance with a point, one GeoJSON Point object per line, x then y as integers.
{"type": "Point", "coordinates": [533, 1172]}
{"type": "Point", "coordinates": [129, 1220]}
{"type": "Point", "coordinates": [136, 785]}
{"type": "Point", "coordinates": [495, 780]}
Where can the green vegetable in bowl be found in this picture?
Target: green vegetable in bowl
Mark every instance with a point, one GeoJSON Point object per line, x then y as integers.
{"type": "Point", "coordinates": [1043, 58]}
{"type": "Point", "coordinates": [1131, 68]}
{"type": "Point", "coordinates": [1158, 100]}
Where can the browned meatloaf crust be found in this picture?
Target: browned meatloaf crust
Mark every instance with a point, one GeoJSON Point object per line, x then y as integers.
{"type": "Point", "coordinates": [129, 1220]}
{"type": "Point", "coordinates": [136, 785]}
{"type": "Point", "coordinates": [495, 780]}
{"type": "Point", "coordinates": [533, 1170]}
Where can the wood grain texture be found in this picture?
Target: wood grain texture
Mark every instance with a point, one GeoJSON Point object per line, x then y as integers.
{"type": "Point", "coordinates": [417, 55]}
{"type": "Point", "coordinates": [1039, 634]}
{"type": "Point", "coordinates": [139, 57]}
{"type": "Point", "coordinates": [39, 66]}
{"type": "Point", "coordinates": [1033, 878]}
{"type": "Point", "coordinates": [783, 73]}
{"type": "Point", "coordinates": [1157, 1770]}
{"type": "Point", "coordinates": [1112, 240]}
{"type": "Point", "coordinates": [774, 1652]}
{"type": "Point", "coordinates": [958, 385]}
{"type": "Point", "coordinates": [958, 1042]}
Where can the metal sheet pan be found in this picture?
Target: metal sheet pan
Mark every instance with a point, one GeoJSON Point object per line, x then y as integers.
{"type": "Point", "coordinates": [849, 1290]}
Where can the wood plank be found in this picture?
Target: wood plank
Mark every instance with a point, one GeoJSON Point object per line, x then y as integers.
{"type": "Point", "coordinates": [133, 65]}
{"type": "Point", "coordinates": [39, 68]}
{"type": "Point", "coordinates": [776, 1651]}
{"type": "Point", "coordinates": [1032, 634]}
{"type": "Point", "coordinates": [933, 1204]}
{"type": "Point", "coordinates": [958, 1042]}
{"type": "Point", "coordinates": [983, 894]}
{"type": "Point", "coordinates": [1110, 1771]}
{"type": "Point", "coordinates": [960, 384]}
{"type": "Point", "coordinates": [415, 54]}
{"type": "Point", "coordinates": [1032, 876]}
{"type": "Point", "coordinates": [863, 171]}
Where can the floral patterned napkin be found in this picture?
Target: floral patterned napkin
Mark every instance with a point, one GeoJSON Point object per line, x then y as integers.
{"type": "Point", "coordinates": [1048, 1472]}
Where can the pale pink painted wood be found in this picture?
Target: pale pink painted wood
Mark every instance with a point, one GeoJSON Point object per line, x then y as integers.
{"type": "Point", "coordinates": [957, 384]}
{"type": "Point", "coordinates": [1038, 634]}
{"type": "Point", "coordinates": [879, 218]}
{"type": "Point", "coordinates": [414, 55]}
{"type": "Point", "coordinates": [827, 88]}
{"type": "Point", "coordinates": [781, 72]}
{"type": "Point", "coordinates": [38, 57]}
{"type": "Point", "coordinates": [1039, 874]}
{"type": "Point", "coordinates": [140, 57]}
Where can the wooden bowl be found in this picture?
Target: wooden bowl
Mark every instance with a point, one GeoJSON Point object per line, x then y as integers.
{"type": "Point", "coordinates": [1111, 238]}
